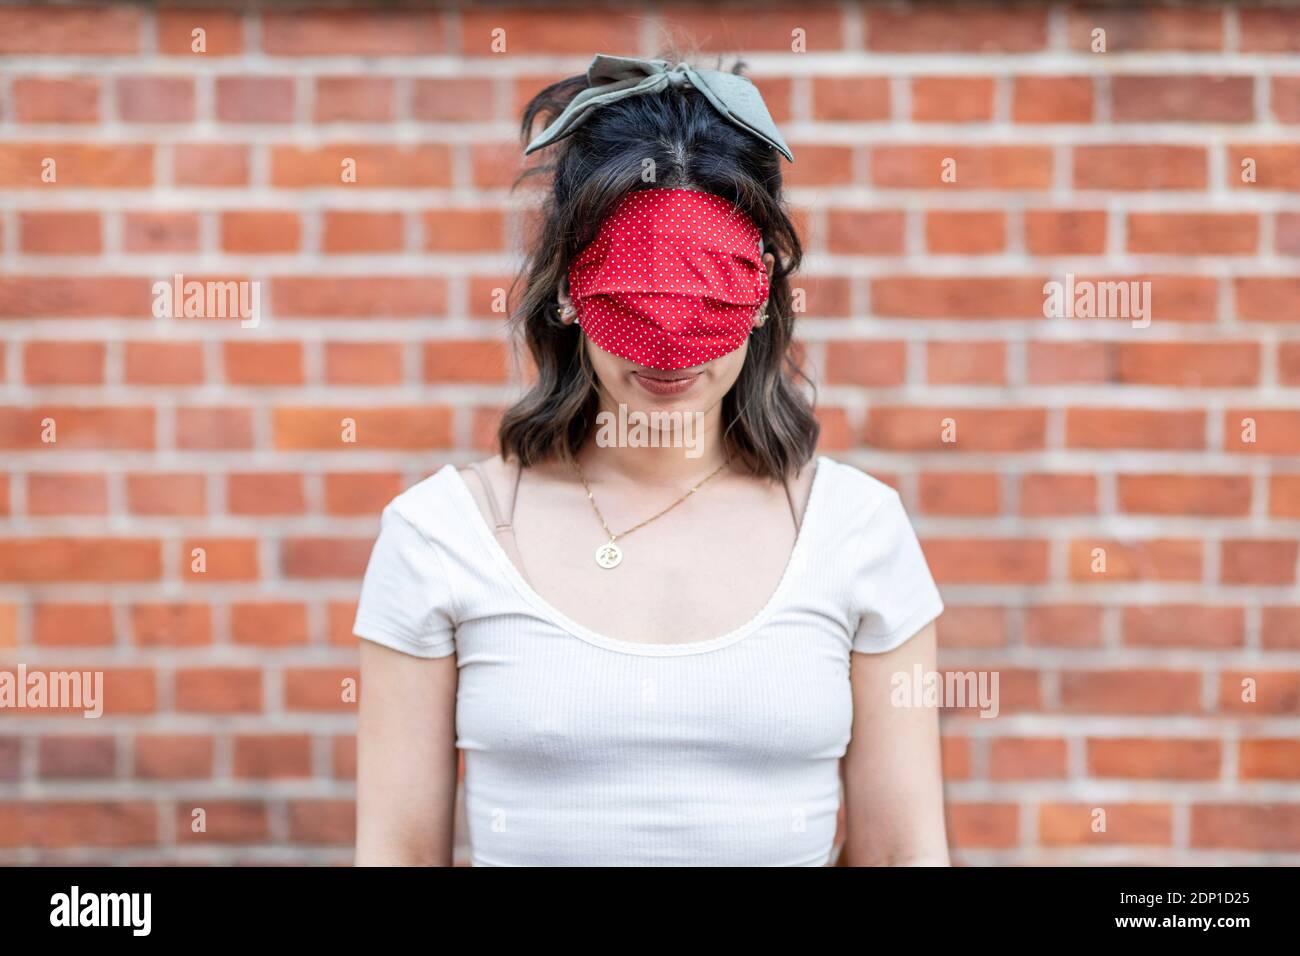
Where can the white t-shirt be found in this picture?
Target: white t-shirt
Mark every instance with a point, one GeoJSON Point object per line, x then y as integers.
{"type": "Point", "coordinates": [583, 750]}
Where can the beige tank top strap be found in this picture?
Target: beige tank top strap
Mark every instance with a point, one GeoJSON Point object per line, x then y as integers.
{"type": "Point", "coordinates": [794, 512]}
{"type": "Point", "coordinates": [503, 524]}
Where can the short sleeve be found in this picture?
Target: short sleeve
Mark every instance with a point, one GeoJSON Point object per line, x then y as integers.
{"type": "Point", "coordinates": [894, 593]}
{"type": "Point", "coordinates": [406, 600]}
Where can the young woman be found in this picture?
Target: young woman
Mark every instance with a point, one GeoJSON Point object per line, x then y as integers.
{"type": "Point", "coordinates": [670, 643]}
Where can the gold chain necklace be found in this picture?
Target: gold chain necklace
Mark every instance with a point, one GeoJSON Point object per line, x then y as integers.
{"type": "Point", "coordinates": [609, 555]}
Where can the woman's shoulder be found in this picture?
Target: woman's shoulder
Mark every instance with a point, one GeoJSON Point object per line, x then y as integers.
{"type": "Point", "coordinates": [431, 502]}
{"type": "Point", "coordinates": [852, 489]}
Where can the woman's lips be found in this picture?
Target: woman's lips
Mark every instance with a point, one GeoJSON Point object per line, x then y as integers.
{"type": "Point", "coordinates": [665, 383]}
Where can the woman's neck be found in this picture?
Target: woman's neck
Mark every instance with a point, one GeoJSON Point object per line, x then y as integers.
{"type": "Point", "coordinates": [684, 448]}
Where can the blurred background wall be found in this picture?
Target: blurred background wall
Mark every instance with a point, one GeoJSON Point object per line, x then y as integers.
{"type": "Point", "coordinates": [1173, 157]}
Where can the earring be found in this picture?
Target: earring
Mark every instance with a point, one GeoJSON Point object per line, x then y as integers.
{"type": "Point", "coordinates": [565, 311]}
{"type": "Point", "coordinates": [760, 319]}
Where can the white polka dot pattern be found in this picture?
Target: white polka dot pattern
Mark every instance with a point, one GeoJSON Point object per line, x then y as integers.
{"type": "Point", "coordinates": [673, 279]}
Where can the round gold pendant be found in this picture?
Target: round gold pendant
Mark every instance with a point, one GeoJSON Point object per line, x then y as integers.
{"type": "Point", "coordinates": [608, 555]}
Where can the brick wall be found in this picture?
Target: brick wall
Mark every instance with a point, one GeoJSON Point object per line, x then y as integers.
{"type": "Point", "coordinates": [1076, 439]}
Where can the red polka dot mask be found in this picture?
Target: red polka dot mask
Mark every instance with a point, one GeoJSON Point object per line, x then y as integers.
{"type": "Point", "coordinates": [673, 279]}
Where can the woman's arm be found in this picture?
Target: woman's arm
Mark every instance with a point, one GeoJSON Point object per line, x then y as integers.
{"type": "Point", "coordinates": [406, 759]}
{"type": "Point", "coordinates": [893, 780]}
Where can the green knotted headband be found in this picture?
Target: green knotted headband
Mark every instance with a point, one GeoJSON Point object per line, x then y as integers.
{"type": "Point", "coordinates": [612, 78]}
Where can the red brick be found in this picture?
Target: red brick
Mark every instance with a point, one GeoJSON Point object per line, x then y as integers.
{"type": "Point", "coordinates": [865, 232]}
{"type": "Point", "coordinates": [320, 689]}
{"type": "Point", "coordinates": [1193, 234]}
{"type": "Point", "coordinates": [1131, 691]}
{"type": "Point", "coordinates": [965, 363]}
{"type": "Point", "coordinates": [269, 623]}
{"type": "Point", "coordinates": [40, 28]}
{"type": "Point", "coordinates": [451, 360]}
{"type": "Point", "coordinates": [63, 363]}
{"type": "Point", "coordinates": [1177, 98]}
{"type": "Point", "coordinates": [221, 559]}
{"type": "Point", "coordinates": [173, 757]}
{"type": "Point", "coordinates": [62, 824]}
{"type": "Point", "coordinates": [157, 493]}
{"type": "Point", "coordinates": [421, 428]}
{"type": "Point", "coordinates": [324, 557]}
{"type": "Point", "coordinates": [1266, 827]}
{"type": "Point", "coordinates": [1052, 99]}
{"type": "Point", "coordinates": [463, 230]}
{"type": "Point", "coordinates": [1134, 167]}
{"type": "Point", "coordinates": [960, 493]}
{"type": "Point", "coordinates": [272, 756]}
{"type": "Point", "coordinates": [41, 99]}
{"type": "Point", "coordinates": [1056, 494]}
{"type": "Point", "coordinates": [155, 99]}
{"type": "Point", "coordinates": [976, 167]}
{"type": "Point", "coordinates": [1134, 428]}
{"type": "Point", "coordinates": [903, 428]}
{"type": "Point", "coordinates": [1056, 232]}
{"type": "Point", "coordinates": [1284, 496]}
{"type": "Point", "coordinates": [1276, 431]}
{"type": "Point", "coordinates": [351, 297]}
{"type": "Point", "coordinates": [210, 164]}
{"type": "Point", "coordinates": [72, 625]}
{"type": "Point", "coordinates": [850, 98]}
{"type": "Point", "coordinates": [61, 560]}
{"type": "Point", "coordinates": [1176, 494]}
{"type": "Point", "coordinates": [354, 99]}
{"type": "Point", "coordinates": [364, 363]}
{"type": "Point", "coordinates": [1184, 625]}
{"type": "Point", "coordinates": [1063, 625]}
{"type": "Point", "coordinates": [352, 32]}
{"type": "Point", "coordinates": [1126, 824]}
{"type": "Point", "coordinates": [219, 690]}
{"type": "Point", "coordinates": [263, 363]}
{"type": "Point", "coordinates": [349, 232]}
{"type": "Point", "coordinates": [163, 363]}
{"type": "Point", "coordinates": [982, 825]}
{"type": "Point", "coordinates": [223, 32]}
{"type": "Point", "coordinates": [1276, 166]}
{"type": "Point", "coordinates": [876, 363]}
{"type": "Point", "coordinates": [265, 493]}
{"type": "Point", "coordinates": [1259, 562]}
{"type": "Point", "coordinates": [77, 165]}
{"type": "Point", "coordinates": [456, 99]}
{"type": "Point", "coordinates": [965, 232]}
{"type": "Point", "coordinates": [1027, 758]}
{"type": "Point", "coordinates": [75, 758]}
{"type": "Point", "coordinates": [376, 166]}
{"type": "Point", "coordinates": [952, 99]}
{"type": "Point", "coordinates": [1269, 759]}
{"type": "Point", "coordinates": [1270, 31]}
{"type": "Point", "coordinates": [171, 625]}
{"type": "Point", "coordinates": [160, 232]}
{"type": "Point", "coordinates": [1267, 298]}
{"type": "Point", "coordinates": [987, 561]}
{"type": "Point", "coordinates": [360, 493]}
{"type": "Point", "coordinates": [255, 99]}
{"type": "Point", "coordinates": [1151, 560]}
{"type": "Point", "coordinates": [213, 428]}
{"type": "Point", "coordinates": [1147, 28]}
{"type": "Point", "coordinates": [60, 233]}
{"type": "Point", "coordinates": [1144, 758]}
{"type": "Point", "coordinates": [936, 29]}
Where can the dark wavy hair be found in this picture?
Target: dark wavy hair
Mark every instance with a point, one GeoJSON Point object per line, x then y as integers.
{"type": "Point", "coordinates": [768, 422]}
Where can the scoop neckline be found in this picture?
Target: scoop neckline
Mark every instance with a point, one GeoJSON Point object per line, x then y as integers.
{"type": "Point", "coordinates": [644, 648]}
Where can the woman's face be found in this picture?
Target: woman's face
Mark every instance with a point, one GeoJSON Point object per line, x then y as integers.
{"type": "Point", "coordinates": [699, 388]}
